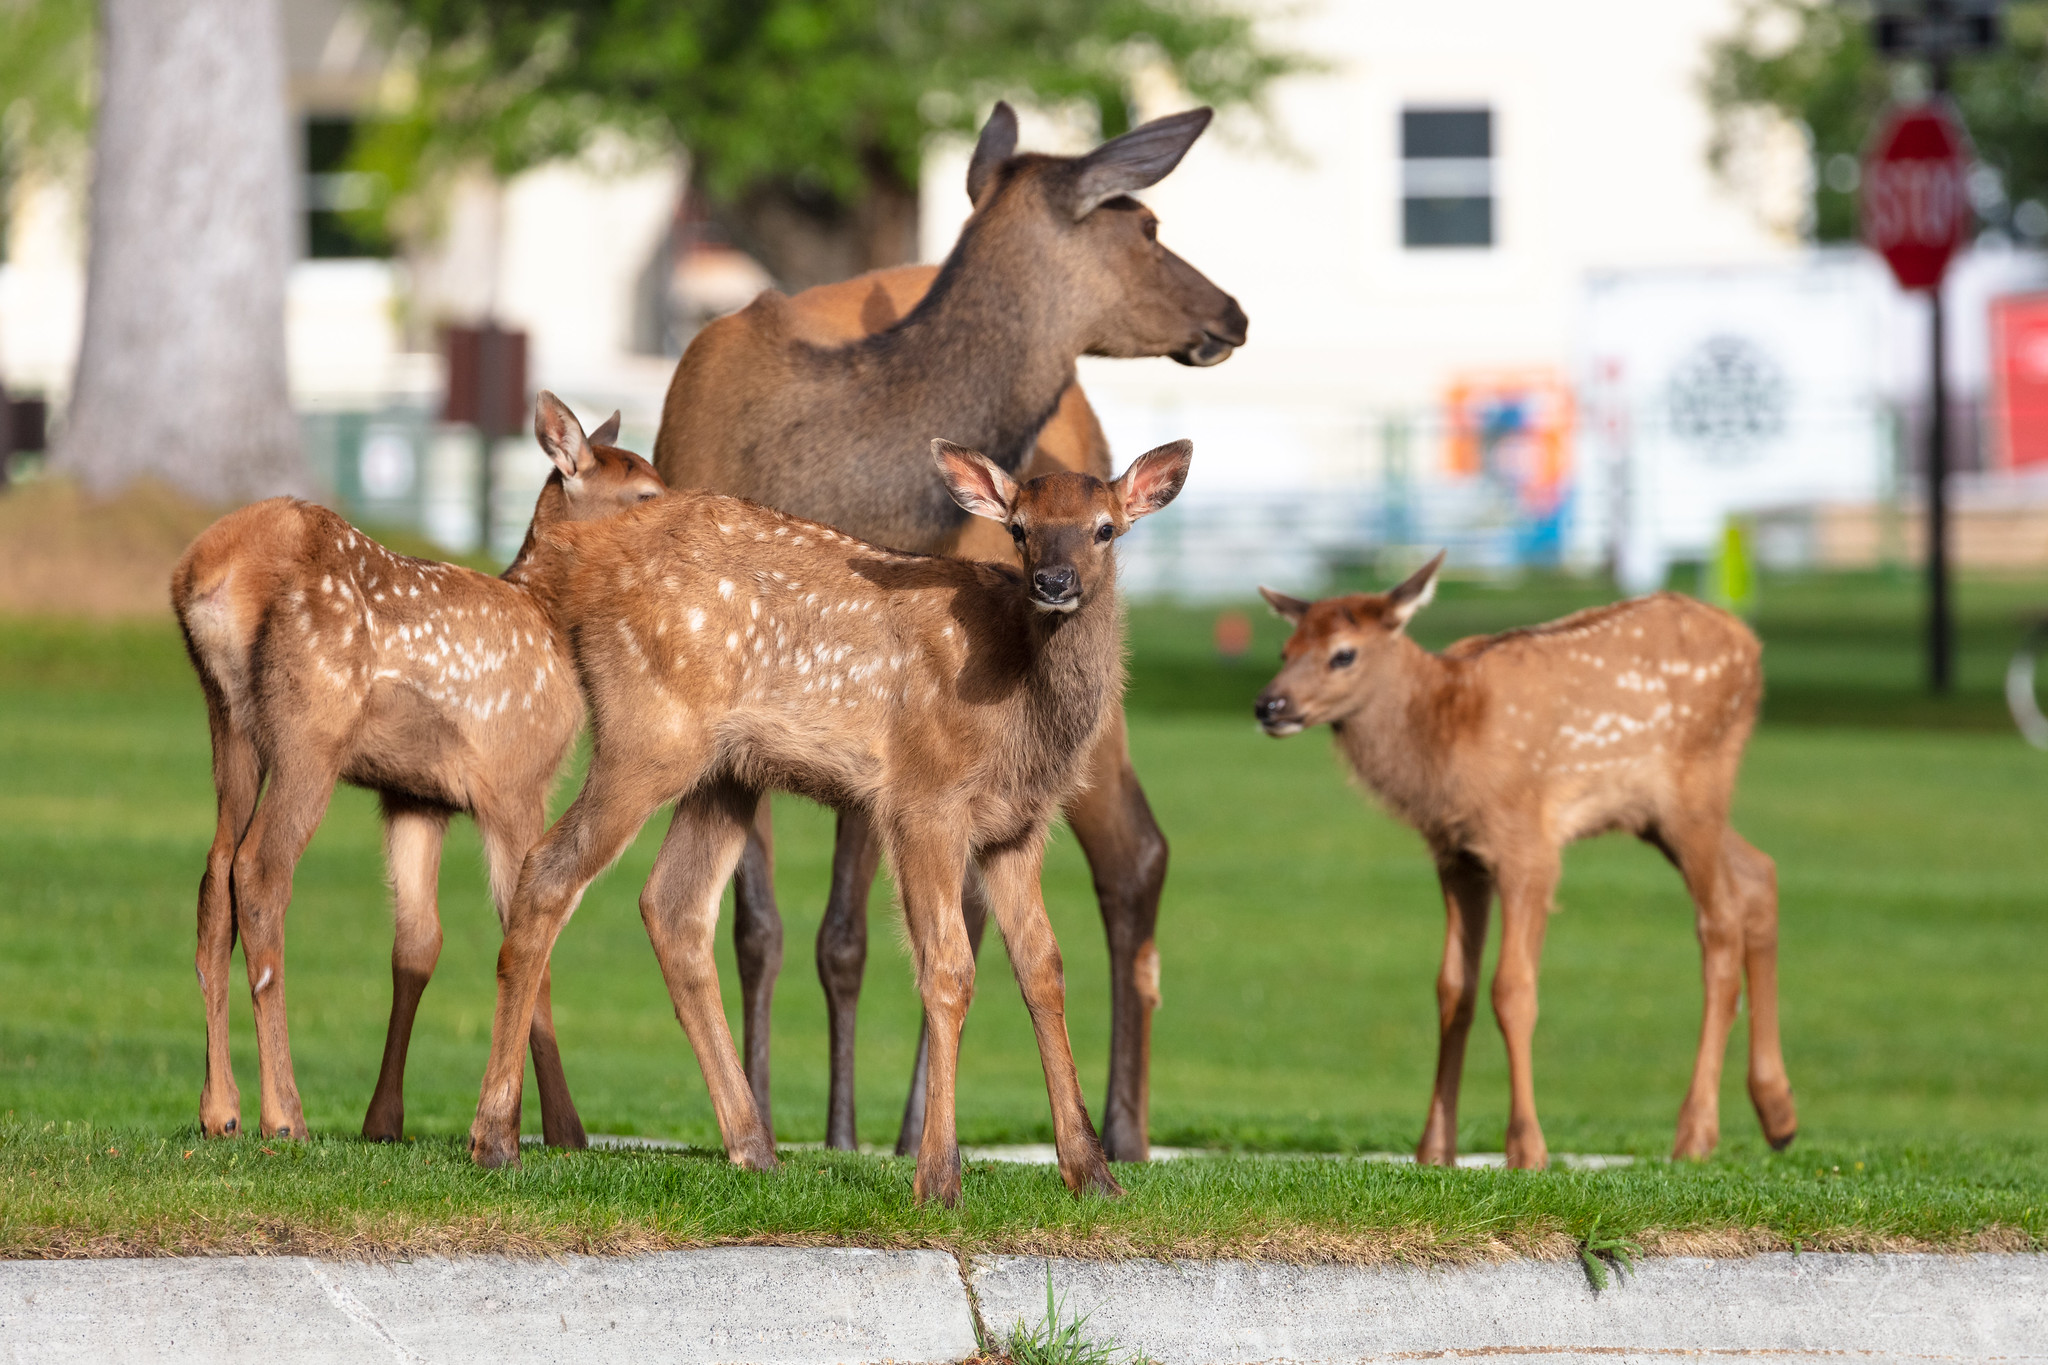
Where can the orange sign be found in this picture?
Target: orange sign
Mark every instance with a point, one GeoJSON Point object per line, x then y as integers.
{"type": "Point", "coordinates": [1515, 426]}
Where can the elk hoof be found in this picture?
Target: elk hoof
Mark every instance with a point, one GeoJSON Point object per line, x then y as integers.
{"type": "Point", "coordinates": [493, 1152]}
{"type": "Point", "coordinates": [1095, 1179]}
{"type": "Point", "coordinates": [569, 1137]}
{"type": "Point", "coordinates": [754, 1153]}
{"type": "Point", "coordinates": [940, 1181]}
{"type": "Point", "coordinates": [1695, 1144]}
{"type": "Point", "coordinates": [1433, 1153]}
{"type": "Point", "coordinates": [1779, 1119]}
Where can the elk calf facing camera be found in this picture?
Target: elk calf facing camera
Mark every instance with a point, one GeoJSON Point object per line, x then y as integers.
{"type": "Point", "coordinates": [727, 649]}
{"type": "Point", "coordinates": [1505, 748]}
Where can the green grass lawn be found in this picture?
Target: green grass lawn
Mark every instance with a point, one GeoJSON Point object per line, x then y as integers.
{"type": "Point", "coordinates": [1300, 935]}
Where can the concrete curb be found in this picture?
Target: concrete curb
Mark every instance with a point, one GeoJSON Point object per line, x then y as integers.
{"type": "Point", "coordinates": [755, 1304]}
{"type": "Point", "coordinates": [1792, 1308]}
{"type": "Point", "coordinates": [770, 1304]}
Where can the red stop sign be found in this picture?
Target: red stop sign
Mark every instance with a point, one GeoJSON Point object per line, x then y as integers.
{"type": "Point", "coordinates": [1916, 203]}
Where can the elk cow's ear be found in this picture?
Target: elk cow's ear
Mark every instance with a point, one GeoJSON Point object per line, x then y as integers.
{"type": "Point", "coordinates": [1288, 609]}
{"type": "Point", "coordinates": [976, 482]}
{"type": "Point", "coordinates": [607, 433]}
{"type": "Point", "coordinates": [1413, 593]}
{"type": "Point", "coordinates": [1154, 479]}
{"type": "Point", "coordinates": [1139, 158]}
{"type": "Point", "coordinates": [998, 143]}
{"type": "Point", "coordinates": [561, 436]}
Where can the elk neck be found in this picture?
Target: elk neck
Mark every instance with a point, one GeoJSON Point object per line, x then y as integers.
{"type": "Point", "coordinates": [1398, 738]}
{"type": "Point", "coordinates": [1076, 667]}
{"type": "Point", "coordinates": [984, 356]}
{"type": "Point", "coordinates": [540, 567]}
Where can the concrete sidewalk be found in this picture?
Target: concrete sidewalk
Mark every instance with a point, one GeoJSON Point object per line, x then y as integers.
{"type": "Point", "coordinates": [765, 1305]}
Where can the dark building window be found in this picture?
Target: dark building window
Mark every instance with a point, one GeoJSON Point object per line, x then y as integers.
{"type": "Point", "coordinates": [333, 192]}
{"type": "Point", "coordinates": [1446, 177]}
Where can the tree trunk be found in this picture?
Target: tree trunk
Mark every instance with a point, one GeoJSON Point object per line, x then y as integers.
{"type": "Point", "coordinates": [181, 373]}
{"type": "Point", "coordinates": [805, 238]}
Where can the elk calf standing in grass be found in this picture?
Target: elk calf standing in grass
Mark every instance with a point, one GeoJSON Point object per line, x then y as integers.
{"type": "Point", "coordinates": [324, 657]}
{"type": "Point", "coordinates": [1505, 748]}
{"type": "Point", "coordinates": [727, 649]}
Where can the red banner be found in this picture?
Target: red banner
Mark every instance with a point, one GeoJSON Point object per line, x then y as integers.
{"type": "Point", "coordinates": [2019, 380]}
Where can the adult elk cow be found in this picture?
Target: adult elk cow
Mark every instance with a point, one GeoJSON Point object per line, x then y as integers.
{"type": "Point", "coordinates": [1055, 262]}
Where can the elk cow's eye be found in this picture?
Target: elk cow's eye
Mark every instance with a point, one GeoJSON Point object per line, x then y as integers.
{"type": "Point", "coordinates": [1104, 533]}
{"type": "Point", "coordinates": [1017, 534]}
{"type": "Point", "coordinates": [1151, 229]}
{"type": "Point", "coordinates": [1344, 658]}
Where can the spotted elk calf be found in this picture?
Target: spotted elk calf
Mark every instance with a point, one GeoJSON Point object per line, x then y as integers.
{"type": "Point", "coordinates": [1505, 748]}
{"type": "Point", "coordinates": [727, 649]}
{"type": "Point", "coordinates": [324, 657]}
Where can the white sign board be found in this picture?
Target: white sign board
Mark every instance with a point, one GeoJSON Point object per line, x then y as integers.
{"type": "Point", "coordinates": [1718, 391]}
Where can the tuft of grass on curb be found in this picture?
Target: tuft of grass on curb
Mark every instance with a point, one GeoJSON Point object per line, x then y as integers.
{"type": "Point", "coordinates": [72, 1190]}
{"type": "Point", "coordinates": [1060, 1340]}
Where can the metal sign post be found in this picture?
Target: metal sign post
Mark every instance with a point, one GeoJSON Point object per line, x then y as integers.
{"type": "Point", "coordinates": [487, 389]}
{"type": "Point", "coordinates": [1916, 213]}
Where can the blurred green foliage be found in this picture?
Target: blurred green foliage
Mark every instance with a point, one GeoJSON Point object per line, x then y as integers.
{"type": "Point", "coordinates": [822, 101]}
{"type": "Point", "coordinates": [821, 89]}
{"type": "Point", "coordinates": [46, 81]}
{"type": "Point", "coordinates": [1815, 62]}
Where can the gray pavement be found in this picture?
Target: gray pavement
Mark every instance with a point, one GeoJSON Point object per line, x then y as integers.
{"type": "Point", "coordinates": [1791, 1308]}
{"type": "Point", "coordinates": [763, 1304]}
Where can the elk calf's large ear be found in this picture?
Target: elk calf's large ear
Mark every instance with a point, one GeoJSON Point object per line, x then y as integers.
{"type": "Point", "coordinates": [561, 436]}
{"type": "Point", "coordinates": [1139, 158]}
{"type": "Point", "coordinates": [998, 143]}
{"type": "Point", "coordinates": [1289, 609]}
{"type": "Point", "coordinates": [607, 433]}
{"type": "Point", "coordinates": [1154, 479]}
{"type": "Point", "coordinates": [1413, 593]}
{"type": "Point", "coordinates": [976, 482]}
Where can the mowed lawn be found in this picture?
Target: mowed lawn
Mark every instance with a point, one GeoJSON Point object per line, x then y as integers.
{"type": "Point", "coordinates": [1299, 937]}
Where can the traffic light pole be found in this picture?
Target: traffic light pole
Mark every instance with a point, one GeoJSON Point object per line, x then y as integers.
{"type": "Point", "coordinates": [1940, 625]}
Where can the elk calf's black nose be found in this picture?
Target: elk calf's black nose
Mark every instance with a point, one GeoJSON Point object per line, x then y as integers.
{"type": "Point", "coordinates": [1053, 582]}
{"type": "Point", "coordinates": [1265, 708]}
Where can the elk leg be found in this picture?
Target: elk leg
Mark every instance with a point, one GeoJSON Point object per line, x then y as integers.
{"type": "Point", "coordinates": [1717, 921]}
{"type": "Point", "coordinates": [1468, 897]}
{"type": "Point", "coordinates": [1524, 915]}
{"type": "Point", "coordinates": [1753, 877]}
{"type": "Point", "coordinates": [928, 866]}
{"type": "Point", "coordinates": [1127, 857]}
{"type": "Point", "coordinates": [508, 837]}
{"type": "Point", "coordinates": [757, 945]}
{"type": "Point", "coordinates": [290, 811]}
{"type": "Point", "coordinates": [974, 916]}
{"type": "Point", "coordinates": [412, 858]}
{"type": "Point", "coordinates": [592, 833]}
{"type": "Point", "coordinates": [1015, 894]}
{"type": "Point", "coordinates": [237, 778]}
{"type": "Point", "coordinates": [842, 958]}
{"type": "Point", "coordinates": [679, 906]}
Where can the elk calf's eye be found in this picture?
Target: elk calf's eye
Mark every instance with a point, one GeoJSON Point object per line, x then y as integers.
{"type": "Point", "coordinates": [1017, 534]}
{"type": "Point", "coordinates": [1344, 658]}
{"type": "Point", "coordinates": [1103, 533]}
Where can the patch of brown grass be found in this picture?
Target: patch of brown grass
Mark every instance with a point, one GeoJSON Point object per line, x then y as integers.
{"type": "Point", "coordinates": [63, 553]}
{"type": "Point", "coordinates": [380, 1237]}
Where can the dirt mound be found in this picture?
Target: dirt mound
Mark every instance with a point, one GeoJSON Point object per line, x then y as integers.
{"type": "Point", "coordinates": [63, 553]}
